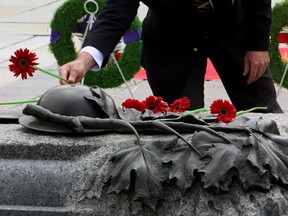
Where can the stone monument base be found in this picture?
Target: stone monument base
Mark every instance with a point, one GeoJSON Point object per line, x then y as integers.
{"type": "Point", "coordinates": [58, 174]}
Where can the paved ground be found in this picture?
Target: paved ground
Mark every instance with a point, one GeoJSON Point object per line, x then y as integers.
{"type": "Point", "coordinates": [26, 24]}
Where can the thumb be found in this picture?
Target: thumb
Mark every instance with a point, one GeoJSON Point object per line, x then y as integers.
{"type": "Point", "coordinates": [65, 72]}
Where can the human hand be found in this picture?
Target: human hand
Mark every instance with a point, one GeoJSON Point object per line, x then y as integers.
{"type": "Point", "coordinates": [75, 70]}
{"type": "Point", "coordinates": [255, 64]}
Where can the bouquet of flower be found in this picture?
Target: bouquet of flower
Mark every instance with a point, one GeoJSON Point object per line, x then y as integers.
{"type": "Point", "coordinates": [222, 109]}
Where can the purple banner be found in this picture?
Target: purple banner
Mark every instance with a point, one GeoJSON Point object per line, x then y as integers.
{"type": "Point", "coordinates": [54, 36]}
{"type": "Point", "coordinates": [132, 36]}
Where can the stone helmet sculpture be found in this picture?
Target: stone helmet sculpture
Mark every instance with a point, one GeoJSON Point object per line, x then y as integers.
{"type": "Point", "coordinates": [78, 100]}
{"type": "Point", "coordinates": [58, 109]}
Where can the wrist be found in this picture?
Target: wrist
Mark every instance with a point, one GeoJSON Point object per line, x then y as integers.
{"type": "Point", "coordinates": [86, 60]}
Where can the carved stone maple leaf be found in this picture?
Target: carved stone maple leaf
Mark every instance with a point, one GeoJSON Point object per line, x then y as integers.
{"type": "Point", "coordinates": [141, 166]}
{"type": "Point", "coordinates": [257, 162]}
{"type": "Point", "coordinates": [185, 163]}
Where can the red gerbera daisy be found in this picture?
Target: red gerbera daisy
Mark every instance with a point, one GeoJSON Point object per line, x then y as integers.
{"type": "Point", "coordinates": [180, 105]}
{"type": "Point", "coordinates": [155, 104]}
{"type": "Point", "coordinates": [225, 111]}
{"type": "Point", "coordinates": [134, 103]}
{"type": "Point", "coordinates": [22, 63]}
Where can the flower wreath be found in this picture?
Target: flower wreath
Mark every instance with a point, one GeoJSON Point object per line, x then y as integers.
{"type": "Point", "coordinates": [280, 20]}
{"type": "Point", "coordinates": [61, 44]}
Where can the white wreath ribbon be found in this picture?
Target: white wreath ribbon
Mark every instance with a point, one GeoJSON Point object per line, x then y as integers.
{"type": "Point", "coordinates": [92, 17]}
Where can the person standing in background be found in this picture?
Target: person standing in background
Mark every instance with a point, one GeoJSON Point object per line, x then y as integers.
{"type": "Point", "coordinates": [178, 37]}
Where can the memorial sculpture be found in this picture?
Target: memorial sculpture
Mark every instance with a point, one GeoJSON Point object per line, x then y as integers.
{"type": "Point", "coordinates": [184, 155]}
{"type": "Point", "coordinates": [250, 152]}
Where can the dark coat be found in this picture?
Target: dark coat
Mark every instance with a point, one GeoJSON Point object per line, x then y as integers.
{"type": "Point", "coordinates": [238, 25]}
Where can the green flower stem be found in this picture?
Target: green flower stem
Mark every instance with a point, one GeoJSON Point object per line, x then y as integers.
{"type": "Point", "coordinates": [50, 73]}
{"type": "Point", "coordinates": [250, 110]}
{"type": "Point", "coordinates": [194, 112]}
{"type": "Point", "coordinates": [19, 102]}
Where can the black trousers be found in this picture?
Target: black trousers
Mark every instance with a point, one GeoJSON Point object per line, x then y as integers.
{"type": "Point", "coordinates": [173, 75]}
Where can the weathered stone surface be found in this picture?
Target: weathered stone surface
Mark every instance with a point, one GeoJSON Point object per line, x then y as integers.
{"type": "Point", "coordinates": [49, 174]}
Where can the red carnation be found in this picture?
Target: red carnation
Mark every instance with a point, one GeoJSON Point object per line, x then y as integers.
{"type": "Point", "coordinates": [180, 105]}
{"type": "Point", "coordinates": [22, 63]}
{"type": "Point", "coordinates": [155, 104]}
{"type": "Point", "coordinates": [224, 110]}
